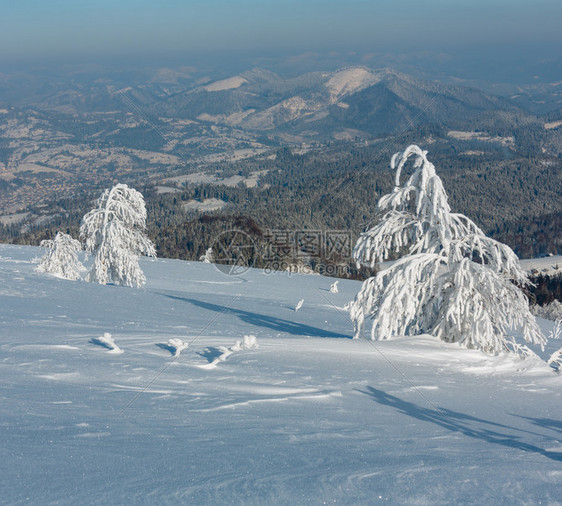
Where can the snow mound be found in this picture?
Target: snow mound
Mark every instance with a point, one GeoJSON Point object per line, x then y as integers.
{"type": "Point", "coordinates": [249, 342]}
{"type": "Point", "coordinates": [176, 346]}
{"type": "Point", "coordinates": [106, 341]}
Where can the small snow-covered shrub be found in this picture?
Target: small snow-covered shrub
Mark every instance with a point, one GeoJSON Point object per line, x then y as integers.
{"type": "Point", "coordinates": [551, 311]}
{"type": "Point", "coordinates": [555, 360]}
{"type": "Point", "coordinates": [107, 341]}
{"type": "Point", "coordinates": [208, 257]}
{"type": "Point", "coordinates": [452, 281]}
{"type": "Point", "coordinates": [176, 346]}
{"type": "Point", "coordinates": [61, 258]}
{"type": "Point", "coordinates": [556, 332]}
{"type": "Point", "coordinates": [250, 341]}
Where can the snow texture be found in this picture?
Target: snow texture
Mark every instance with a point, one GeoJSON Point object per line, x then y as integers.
{"type": "Point", "coordinates": [452, 281]}
{"type": "Point", "coordinates": [309, 417]}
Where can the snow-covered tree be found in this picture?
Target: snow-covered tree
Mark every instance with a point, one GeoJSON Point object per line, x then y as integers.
{"type": "Point", "coordinates": [114, 233]}
{"type": "Point", "coordinates": [208, 257]}
{"type": "Point", "coordinates": [452, 281]}
{"type": "Point", "coordinates": [61, 258]}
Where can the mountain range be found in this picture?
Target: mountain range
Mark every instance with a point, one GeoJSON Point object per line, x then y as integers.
{"type": "Point", "coordinates": [329, 104]}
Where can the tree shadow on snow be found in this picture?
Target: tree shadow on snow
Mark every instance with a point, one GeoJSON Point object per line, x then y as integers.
{"type": "Point", "coordinates": [211, 353]}
{"type": "Point", "coordinates": [546, 423]}
{"type": "Point", "coordinates": [98, 342]}
{"type": "Point", "coordinates": [260, 320]}
{"type": "Point", "coordinates": [166, 347]}
{"type": "Point", "coordinates": [468, 425]}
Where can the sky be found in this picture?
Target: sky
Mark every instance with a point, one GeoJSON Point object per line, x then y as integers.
{"type": "Point", "coordinates": [98, 30]}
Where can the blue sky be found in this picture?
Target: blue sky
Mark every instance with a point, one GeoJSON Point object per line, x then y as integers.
{"type": "Point", "coordinates": [88, 30]}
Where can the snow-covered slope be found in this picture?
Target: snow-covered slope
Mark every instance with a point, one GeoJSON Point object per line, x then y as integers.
{"type": "Point", "coordinates": [352, 80]}
{"type": "Point", "coordinates": [309, 416]}
{"type": "Point", "coordinates": [549, 265]}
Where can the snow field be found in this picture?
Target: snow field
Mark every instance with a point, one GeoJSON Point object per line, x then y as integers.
{"type": "Point", "coordinates": [308, 417]}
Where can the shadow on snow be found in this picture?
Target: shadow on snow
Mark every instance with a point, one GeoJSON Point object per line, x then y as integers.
{"type": "Point", "coordinates": [260, 320]}
{"type": "Point", "coordinates": [468, 425]}
{"type": "Point", "coordinates": [166, 347]}
{"type": "Point", "coordinates": [211, 353]}
{"type": "Point", "coordinates": [546, 423]}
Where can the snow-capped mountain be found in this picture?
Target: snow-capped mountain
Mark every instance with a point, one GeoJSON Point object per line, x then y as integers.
{"type": "Point", "coordinates": [265, 405]}
{"type": "Point", "coordinates": [371, 101]}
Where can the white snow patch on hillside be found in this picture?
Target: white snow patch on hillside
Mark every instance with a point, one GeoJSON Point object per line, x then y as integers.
{"type": "Point", "coordinates": [233, 119]}
{"type": "Point", "coordinates": [283, 112]}
{"type": "Point", "coordinates": [226, 84]}
{"type": "Point", "coordinates": [348, 81]}
{"type": "Point", "coordinates": [546, 265]}
{"type": "Point", "coordinates": [204, 205]}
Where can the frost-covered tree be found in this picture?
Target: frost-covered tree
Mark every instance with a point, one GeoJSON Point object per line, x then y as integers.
{"type": "Point", "coordinates": [61, 258]}
{"type": "Point", "coordinates": [208, 257]}
{"type": "Point", "coordinates": [451, 280]}
{"type": "Point", "coordinates": [114, 233]}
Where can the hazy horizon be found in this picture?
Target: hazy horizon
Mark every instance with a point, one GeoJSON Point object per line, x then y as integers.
{"type": "Point", "coordinates": [183, 32]}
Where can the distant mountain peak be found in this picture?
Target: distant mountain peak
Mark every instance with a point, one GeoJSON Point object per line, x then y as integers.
{"type": "Point", "coordinates": [350, 80]}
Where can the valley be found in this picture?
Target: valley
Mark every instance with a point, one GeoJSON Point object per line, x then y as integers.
{"type": "Point", "coordinates": [270, 138]}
